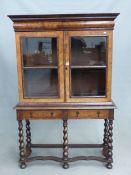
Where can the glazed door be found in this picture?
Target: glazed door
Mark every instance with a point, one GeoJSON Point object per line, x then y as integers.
{"type": "Point", "coordinates": [40, 66]}
{"type": "Point", "coordinates": [88, 66]}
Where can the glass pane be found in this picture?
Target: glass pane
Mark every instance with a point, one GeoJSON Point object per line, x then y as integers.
{"type": "Point", "coordinates": [39, 51]}
{"type": "Point", "coordinates": [88, 82]}
{"type": "Point", "coordinates": [40, 82]}
{"type": "Point", "coordinates": [88, 50]}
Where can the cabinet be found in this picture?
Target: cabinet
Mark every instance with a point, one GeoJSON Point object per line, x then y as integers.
{"type": "Point", "coordinates": [64, 65]}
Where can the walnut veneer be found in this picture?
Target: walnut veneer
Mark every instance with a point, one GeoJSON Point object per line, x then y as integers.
{"type": "Point", "coordinates": [64, 64]}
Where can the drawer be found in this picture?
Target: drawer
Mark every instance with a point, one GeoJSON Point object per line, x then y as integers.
{"type": "Point", "coordinates": [70, 114]}
{"type": "Point", "coordinates": [96, 114]}
{"type": "Point", "coordinates": [37, 114]}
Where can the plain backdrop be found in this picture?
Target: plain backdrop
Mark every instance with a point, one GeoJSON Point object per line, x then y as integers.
{"type": "Point", "coordinates": [82, 131]}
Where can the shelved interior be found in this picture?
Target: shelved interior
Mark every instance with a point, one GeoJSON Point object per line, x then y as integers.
{"type": "Point", "coordinates": [40, 67]}
{"type": "Point", "coordinates": [88, 51]}
{"type": "Point", "coordinates": [39, 52]}
{"type": "Point", "coordinates": [41, 83]}
{"type": "Point", "coordinates": [88, 66]}
{"type": "Point", "coordinates": [88, 63]}
{"type": "Point", "coordinates": [88, 82]}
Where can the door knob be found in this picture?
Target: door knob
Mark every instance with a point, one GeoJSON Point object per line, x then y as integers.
{"type": "Point", "coordinates": [66, 65]}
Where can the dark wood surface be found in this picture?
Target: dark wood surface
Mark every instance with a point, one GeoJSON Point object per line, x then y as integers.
{"type": "Point", "coordinates": [107, 144]}
{"type": "Point", "coordinates": [64, 22]}
{"type": "Point", "coordinates": [28, 138]}
{"type": "Point", "coordinates": [65, 144]}
{"type": "Point", "coordinates": [110, 145]}
{"type": "Point", "coordinates": [66, 159]}
{"type": "Point", "coordinates": [22, 153]}
{"type": "Point", "coordinates": [66, 105]}
{"type": "Point", "coordinates": [64, 17]}
{"type": "Point", "coordinates": [72, 159]}
{"type": "Point", "coordinates": [69, 145]}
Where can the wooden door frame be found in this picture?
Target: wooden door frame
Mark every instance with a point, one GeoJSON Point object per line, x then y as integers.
{"type": "Point", "coordinates": [108, 34]}
{"type": "Point", "coordinates": [57, 34]}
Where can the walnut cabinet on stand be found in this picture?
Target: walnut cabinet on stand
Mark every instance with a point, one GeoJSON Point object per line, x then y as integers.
{"type": "Point", "coordinates": [64, 65]}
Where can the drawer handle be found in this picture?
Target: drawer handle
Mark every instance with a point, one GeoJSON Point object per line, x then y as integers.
{"type": "Point", "coordinates": [77, 114]}
{"type": "Point", "coordinates": [98, 114]}
{"type": "Point", "coordinates": [52, 114]}
{"type": "Point", "coordinates": [30, 114]}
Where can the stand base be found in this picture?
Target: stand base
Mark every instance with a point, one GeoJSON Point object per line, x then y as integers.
{"type": "Point", "coordinates": [65, 165]}
{"type": "Point", "coordinates": [22, 165]}
{"type": "Point", "coordinates": [109, 166]}
{"type": "Point", "coordinates": [25, 152]}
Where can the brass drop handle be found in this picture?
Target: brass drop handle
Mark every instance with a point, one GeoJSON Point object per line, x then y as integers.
{"type": "Point", "coordinates": [52, 114]}
{"type": "Point", "coordinates": [98, 114]}
{"type": "Point", "coordinates": [30, 114]}
{"type": "Point", "coordinates": [77, 113]}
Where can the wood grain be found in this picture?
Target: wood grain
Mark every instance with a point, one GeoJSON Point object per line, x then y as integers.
{"type": "Point", "coordinates": [65, 106]}
{"type": "Point", "coordinates": [70, 34]}
{"type": "Point", "coordinates": [59, 35]}
{"type": "Point", "coordinates": [63, 22]}
{"type": "Point", "coordinates": [61, 114]}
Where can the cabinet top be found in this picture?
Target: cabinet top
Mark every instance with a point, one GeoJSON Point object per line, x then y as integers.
{"type": "Point", "coordinates": [65, 17]}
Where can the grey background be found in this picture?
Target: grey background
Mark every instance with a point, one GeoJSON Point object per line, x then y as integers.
{"type": "Point", "coordinates": [80, 131]}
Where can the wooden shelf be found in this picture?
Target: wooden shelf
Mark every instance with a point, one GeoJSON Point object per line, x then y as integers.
{"type": "Point", "coordinates": [85, 66]}
{"type": "Point", "coordinates": [40, 67]}
{"type": "Point", "coordinates": [88, 96]}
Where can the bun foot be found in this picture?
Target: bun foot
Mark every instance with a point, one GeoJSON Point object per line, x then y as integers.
{"type": "Point", "coordinates": [65, 165]}
{"type": "Point", "coordinates": [22, 165]}
{"type": "Point", "coordinates": [109, 166]}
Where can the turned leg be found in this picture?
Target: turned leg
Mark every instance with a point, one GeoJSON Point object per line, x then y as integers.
{"type": "Point", "coordinates": [65, 144]}
{"type": "Point", "coordinates": [28, 138]}
{"type": "Point", "coordinates": [105, 140]}
{"type": "Point", "coordinates": [110, 147]}
{"type": "Point", "coordinates": [21, 145]}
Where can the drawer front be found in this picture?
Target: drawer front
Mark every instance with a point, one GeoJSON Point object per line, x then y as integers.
{"type": "Point", "coordinates": [46, 114]}
{"type": "Point", "coordinates": [96, 114]}
{"type": "Point", "coordinates": [70, 114]}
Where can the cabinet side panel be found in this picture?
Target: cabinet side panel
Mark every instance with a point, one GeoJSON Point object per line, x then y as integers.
{"type": "Point", "coordinates": [19, 66]}
{"type": "Point", "coordinates": [109, 63]}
